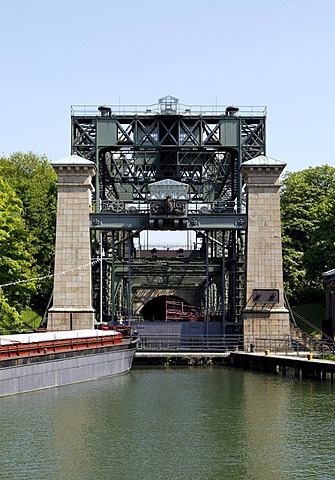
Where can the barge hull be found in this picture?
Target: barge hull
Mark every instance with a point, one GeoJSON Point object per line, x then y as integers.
{"type": "Point", "coordinates": [37, 372]}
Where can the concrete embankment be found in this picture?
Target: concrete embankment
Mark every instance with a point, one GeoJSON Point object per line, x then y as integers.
{"type": "Point", "coordinates": [300, 366]}
{"type": "Point", "coordinates": [181, 358]}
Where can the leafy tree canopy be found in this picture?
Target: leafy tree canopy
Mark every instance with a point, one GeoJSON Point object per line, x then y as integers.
{"type": "Point", "coordinates": [16, 257]}
{"type": "Point", "coordinates": [308, 223]}
{"type": "Point", "coordinates": [34, 181]}
{"type": "Point", "coordinates": [10, 319]}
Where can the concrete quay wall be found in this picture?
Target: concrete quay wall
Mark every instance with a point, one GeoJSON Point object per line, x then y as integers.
{"type": "Point", "coordinates": [181, 358]}
{"type": "Point", "coordinates": [298, 366]}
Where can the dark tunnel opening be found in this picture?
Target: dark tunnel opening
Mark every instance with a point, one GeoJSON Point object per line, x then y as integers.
{"type": "Point", "coordinates": [171, 308]}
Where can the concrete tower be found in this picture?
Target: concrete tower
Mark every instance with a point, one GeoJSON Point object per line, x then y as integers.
{"type": "Point", "coordinates": [264, 315]}
{"type": "Point", "coordinates": [72, 294]}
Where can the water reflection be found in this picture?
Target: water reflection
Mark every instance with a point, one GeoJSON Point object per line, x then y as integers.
{"type": "Point", "coordinates": [176, 423]}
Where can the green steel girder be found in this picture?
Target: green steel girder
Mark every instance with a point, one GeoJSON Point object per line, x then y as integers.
{"type": "Point", "coordinates": [203, 150]}
{"type": "Point", "coordinates": [140, 131]}
{"type": "Point", "coordinates": [172, 274]}
{"type": "Point", "coordinates": [130, 222]}
{"type": "Point", "coordinates": [141, 266]}
{"type": "Point", "coordinates": [252, 138]}
{"type": "Point", "coordinates": [210, 174]}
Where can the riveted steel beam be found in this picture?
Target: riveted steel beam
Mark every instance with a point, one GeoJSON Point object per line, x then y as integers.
{"type": "Point", "coordinates": [128, 221]}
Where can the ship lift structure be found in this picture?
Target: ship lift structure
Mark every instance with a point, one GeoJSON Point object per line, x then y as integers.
{"type": "Point", "coordinates": [169, 167]}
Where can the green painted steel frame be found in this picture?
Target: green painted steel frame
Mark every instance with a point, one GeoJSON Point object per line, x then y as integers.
{"type": "Point", "coordinates": [202, 150]}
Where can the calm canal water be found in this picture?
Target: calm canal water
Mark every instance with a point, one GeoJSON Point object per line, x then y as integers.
{"type": "Point", "coordinates": [171, 423]}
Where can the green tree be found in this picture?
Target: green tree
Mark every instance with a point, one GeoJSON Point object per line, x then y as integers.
{"type": "Point", "coordinates": [16, 259]}
{"type": "Point", "coordinates": [10, 319]}
{"type": "Point", "coordinates": [308, 221]}
{"type": "Point", "coordinates": [34, 181]}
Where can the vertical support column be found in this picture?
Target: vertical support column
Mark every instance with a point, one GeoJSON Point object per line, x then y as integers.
{"type": "Point", "coordinates": [264, 252]}
{"type": "Point", "coordinates": [72, 294]}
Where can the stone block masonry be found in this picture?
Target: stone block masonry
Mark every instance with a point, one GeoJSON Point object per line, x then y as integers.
{"type": "Point", "coordinates": [264, 251]}
{"type": "Point", "coordinates": [72, 294]}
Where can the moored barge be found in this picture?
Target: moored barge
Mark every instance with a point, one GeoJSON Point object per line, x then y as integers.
{"type": "Point", "coordinates": [35, 361]}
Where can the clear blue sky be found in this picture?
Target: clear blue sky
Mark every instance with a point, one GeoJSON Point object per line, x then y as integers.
{"type": "Point", "coordinates": [277, 53]}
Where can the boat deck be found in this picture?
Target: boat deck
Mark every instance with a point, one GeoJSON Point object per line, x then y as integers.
{"type": "Point", "coordinates": [17, 349]}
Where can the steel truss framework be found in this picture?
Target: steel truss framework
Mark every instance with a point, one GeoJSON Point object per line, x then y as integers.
{"type": "Point", "coordinates": [202, 149]}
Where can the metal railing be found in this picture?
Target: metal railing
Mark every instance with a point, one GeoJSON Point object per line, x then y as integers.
{"type": "Point", "coordinates": [289, 345]}
{"type": "Point", "coordinates": [219, 206]}
{"type": "Point", "coordinates": [228, 343]}
{"type": "Point", "coordinates": [276, 344]}
{"type": "Point", "coordinates": [200, 343]}
{"type": "Point", "coordinates": [181, 109]}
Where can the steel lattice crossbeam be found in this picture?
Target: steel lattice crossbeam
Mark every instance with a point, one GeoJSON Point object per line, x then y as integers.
{"type": "Point", "coordinates": [201, 150]}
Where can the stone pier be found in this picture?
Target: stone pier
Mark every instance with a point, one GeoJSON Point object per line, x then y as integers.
{"type": "Point", "coordinates": [72, 293]}
{"type": "Point", "coordinates": [264, 315]}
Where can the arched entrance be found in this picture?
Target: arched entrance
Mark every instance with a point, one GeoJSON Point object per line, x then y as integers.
{"type": "Point", "coordinates": [170, 308]}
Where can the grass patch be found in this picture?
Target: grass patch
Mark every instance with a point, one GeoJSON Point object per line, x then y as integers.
{"type": "Point", "coordinates": [31, 319]}
{"type": "Point", "coordinates": [329, 356]}
{"type": "Point", "coordinates": [314, 313]}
